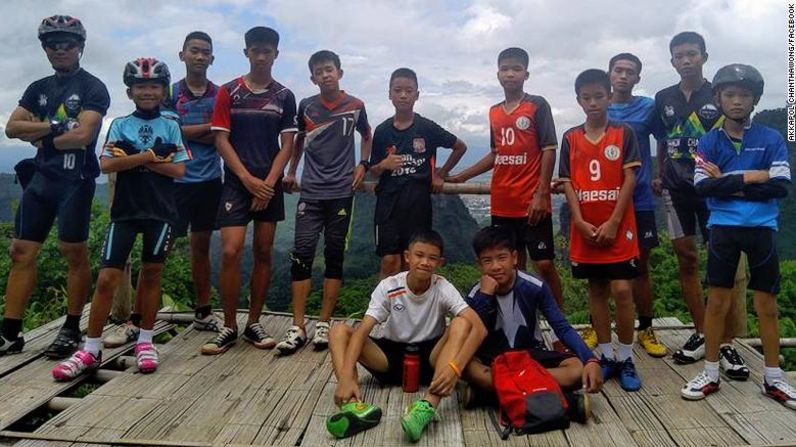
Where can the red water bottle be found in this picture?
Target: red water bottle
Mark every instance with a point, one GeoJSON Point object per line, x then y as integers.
{"type": "Point", "coordinates": [411, 379]}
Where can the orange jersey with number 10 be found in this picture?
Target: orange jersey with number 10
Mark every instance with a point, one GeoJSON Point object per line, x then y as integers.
{"type": "Point", "coordinates": [517, 140]}
{"type": "Point", "coordinates": [596, 172]}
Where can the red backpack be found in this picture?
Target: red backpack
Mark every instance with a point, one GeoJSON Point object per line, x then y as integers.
{"type": "Point", "coordinates": [529, 396]}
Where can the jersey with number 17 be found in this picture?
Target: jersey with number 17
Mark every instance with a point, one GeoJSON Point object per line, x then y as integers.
{"type": "Point", "coordinates": [596, 171]}
{"type": "Point", "coordinates": [518, 138]}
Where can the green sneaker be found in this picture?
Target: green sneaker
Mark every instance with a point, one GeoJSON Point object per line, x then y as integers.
{"type": "Point", "coordinates": [353, 418]}
{"type": "Point", "coordinates": [416, 417]}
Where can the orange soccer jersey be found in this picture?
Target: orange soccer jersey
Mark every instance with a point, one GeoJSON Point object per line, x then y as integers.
{"type": "Point", "coordinates": [517, 140]}
{"type": "Point", "coordinates": [596, 171]}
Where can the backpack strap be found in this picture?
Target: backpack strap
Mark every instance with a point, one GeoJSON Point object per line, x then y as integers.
{"type": "Point", "coordinates": [499, 426]}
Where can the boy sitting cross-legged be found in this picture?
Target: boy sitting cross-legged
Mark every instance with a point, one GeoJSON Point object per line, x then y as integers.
{"type": "Point", "coordinates": [411, 306]}
{"type": "Point", "coordinates": [509, 303]}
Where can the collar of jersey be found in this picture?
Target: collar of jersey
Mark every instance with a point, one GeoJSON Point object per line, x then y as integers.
{"type": "Point", "coordinates": [146, 114]}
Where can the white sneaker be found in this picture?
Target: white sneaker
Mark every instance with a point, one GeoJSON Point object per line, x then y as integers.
{"type": "Point", "coordinates": [294, 339]}
{"type": "Point", "coordinates": [321, 338]}
{"type": "Point", "coordinates": [123, 334]}
{"type": "Point", "coordinates": [699, 387]}
{"type": "Point", "coordinates": [782, 392]}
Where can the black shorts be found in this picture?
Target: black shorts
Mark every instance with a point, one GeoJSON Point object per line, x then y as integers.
{"type": "Point", "coordinates": [333, 218]}
{"type": "Point", "coordinates": [617, 270]}
{"type": "Point", "coordinates": [45, 200]}
{"type": "Point", "coordinates": [537, 239]}
{"type": "Point", "coordinates": [399, 215]}
{"type": "Point", "coordinates": [120, 238]}
{"type": "Point", "coordinates": [647, 230]}
{"type": "Point", "coordinates": [684, 213]}
{"type": "Point", "coordinates": [394, 351]}
{"type": "Point", "coordinates": [547, 358]}
{"type": "Point", "coordinates": [233, 209]}
{"type": "Point", "coordinates": [197, 205]}
{"type": "Point", "coordinates": [759, 244]}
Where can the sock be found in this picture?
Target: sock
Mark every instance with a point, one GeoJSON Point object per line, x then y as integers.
{"type": "Point", "coordinates": [145, 336]}
{"type": "Point", "coordinates": [624, 352]}
{"type": "Point", "coordinates": [11, 328]}
{"type": "Point", "coordinates": [712, 370]}
{"type": "Point", "coordinates": [644, 322]}
{"type": "Point", "coordinates": [135, 318]}
{"type": "Point", "coordinates": [93, 345]}
{"type": "Point", "coordinates": [772, 374]}
{"type": "Point", "coordinates": [202, 311]}
{"type": "Point", "coordinates": [72, 322]}
{"type": "Point", "coordinates": [607, 349]}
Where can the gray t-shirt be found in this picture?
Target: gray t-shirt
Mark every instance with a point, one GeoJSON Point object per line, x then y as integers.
{"type": "Point", "coordinates": [329, 145]}
{"type": "Point", "coordinates": [409, 318]}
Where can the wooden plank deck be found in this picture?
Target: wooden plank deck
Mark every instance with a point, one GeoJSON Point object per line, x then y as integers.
{"type": "Point", "coordinates": [252, 397]}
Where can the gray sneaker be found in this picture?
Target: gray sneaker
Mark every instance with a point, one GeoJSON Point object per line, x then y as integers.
{"type": "Point", "coordinates": [210, 323]}
{"type": "Point", "coordinates": [121, 335]}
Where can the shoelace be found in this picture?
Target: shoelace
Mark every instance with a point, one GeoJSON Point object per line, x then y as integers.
{"type": "Point", "coordinates": [628, 369]}
{"type": "Point", "coordinates": [224, 334]}
{"type": "Point", "coordinates": [258, 330]}
{"type": "Point", "coordinates": [785, 387]}
{"type": "Point", "coordinates": [700, 380]}
{"type": "Point", "coordinates": [292, 335]}
{"type": "Point", "coordinates": [322, 330]}
{"type": "Point", "coordinates": [732, 356]}
{"type": "Point", "coordinates": [147, 353]}
{"type": "Point", "coordinates": [652, 336]}
{"type": "Point", "coordinates": [693, 342]}
{"type": "Point", "coordinates": [74, 363]}
{"type": "Point", "coordinates": [423, 413]}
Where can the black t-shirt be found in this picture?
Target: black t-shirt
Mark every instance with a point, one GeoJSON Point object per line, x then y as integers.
{"type": "Point", "coordinates": [58, 98]}
{"type": "Point", "coordinates": [680, 124]}
{"type": "Point", "coordinates": [417, 145]}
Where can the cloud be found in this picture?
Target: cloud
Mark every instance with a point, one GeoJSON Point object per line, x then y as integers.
{"type": "Point", "coordinates": [452, 45]}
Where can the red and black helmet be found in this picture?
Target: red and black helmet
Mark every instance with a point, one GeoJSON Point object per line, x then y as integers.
{"type": "Point", "coordinates": [146, 69]}
{"type": "Point", "coordinates": [61, 24]}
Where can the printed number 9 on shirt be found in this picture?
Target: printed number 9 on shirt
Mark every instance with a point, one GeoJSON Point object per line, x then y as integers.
{"type": "Point", "coordinates": [594, 170]}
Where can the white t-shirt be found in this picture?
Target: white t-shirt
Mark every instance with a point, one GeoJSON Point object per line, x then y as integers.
{"type": "Point", "coordinates": [409, 318]}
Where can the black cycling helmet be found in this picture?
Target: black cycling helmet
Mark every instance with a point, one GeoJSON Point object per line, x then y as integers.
{"type": "Point", "coordinates": [742, 75]}
{"type": "Point", "coordinates": [146, 69]}
{"type": "Point", "coordinates": [60, 24]}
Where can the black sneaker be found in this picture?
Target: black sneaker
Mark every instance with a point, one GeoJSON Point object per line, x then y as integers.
{"type": "Point", "coordinates": [578, 406]}
{"type": "Point", "coordinates": [221, 343]}
{"type": "Point", "coordinates": [11, 346]}
{"type": "Point", "coordinates": [474, 397]}
{"type": "Point", "coordinates": [64, 345]}
{"type": "Point", "coordinates": [732, 363]}
{"type": "Point", "coordinates": [692, 351]}
{"type": "Point", "coordinates": [255, 334]}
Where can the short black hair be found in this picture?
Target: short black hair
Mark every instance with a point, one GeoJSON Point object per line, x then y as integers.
{"type": "Point", "coordinates": [593, 76]}
{"type": "Point", "coordinates": [493, 237]}
{"type": "Point", "coordinates": [430, 237]}
{"type": "Point", "coordinates": [324, 56]}
{"type": "Point", "coordinates": [515, 53]}
{"type": "Point", "coordinates": [625, 57]}
{"type": "Point", "coordinates": [262, 34]}
{"type": "Point", "coordinates": [404, 72]}
{"type": "Point", "coordinates": [688, 37]}
{"type": "Point", "coordinates": [198, 35]}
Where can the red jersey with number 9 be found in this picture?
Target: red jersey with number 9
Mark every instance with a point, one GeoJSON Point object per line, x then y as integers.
{"type": "Point", "coordinates": [517, 140]}
{"type": "Point", "coordinates": [596, 172]}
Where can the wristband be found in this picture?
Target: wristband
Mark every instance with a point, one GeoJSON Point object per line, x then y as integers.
{"type": "Point", "coordinates": [366, 164]}
{"type": "Point", "coordinates": [455, 368]}
{"type": "Point", "coordinates": [592, 360]}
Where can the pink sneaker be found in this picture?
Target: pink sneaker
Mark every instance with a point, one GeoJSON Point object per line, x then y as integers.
{"type": "Point", "coordinates": [81, 362]}
{"type": "Point", "coordinates": [146, 356]}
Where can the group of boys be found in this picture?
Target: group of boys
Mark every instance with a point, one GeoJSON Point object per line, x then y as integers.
{"type": "Point", "coordinates": [166, 157]}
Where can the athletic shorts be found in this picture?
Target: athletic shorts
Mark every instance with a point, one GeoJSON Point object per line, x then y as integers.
{"type": "Point", "coordinates": [547, 358]}
{"type": "Point", "coordinates": [120, 238]}
{"type": "Point", "coordinates": [197, 205]}
{"type": "Point", "coordinates": [233, 209]}
{"type": "Point", "coordinates": [647, 230]}
{"type": "Point", "coordinates": [399, 215]}
{"type": "Point", "coordinates": [684, 213]}
{"type": "Point", "coordinates": [759, 244]}
{"type": "Point", "coordinates": [617, 270]}
{"type": "Point", "coordinates": [333, 218]}
{"type": "Point", "coordinates": [45, 199]}
{"type": "Point", "coordinates": [394, 351]}
{"type": "Point", "coordinates": [537, 239]}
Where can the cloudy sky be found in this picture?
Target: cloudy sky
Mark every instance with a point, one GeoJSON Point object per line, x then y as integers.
{"type": "Point", "coordinates": [453, 46]}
